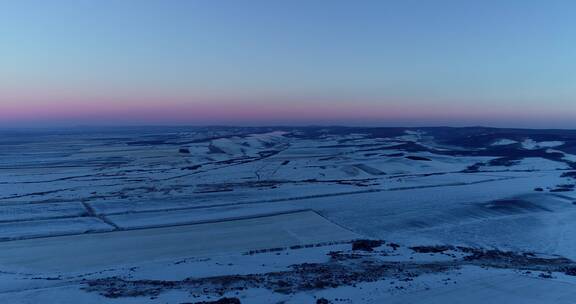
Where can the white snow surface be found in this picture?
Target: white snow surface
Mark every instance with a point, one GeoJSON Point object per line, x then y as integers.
{"type": "Point", "coordinates": [504, 142]}
{"type": "Point", "coordinates": [76, 207]}
{"type": "Point", "coordinates": [530, 144]}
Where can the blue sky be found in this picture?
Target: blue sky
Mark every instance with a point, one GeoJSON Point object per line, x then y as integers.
{"type": "Point", "coordinates": [502, 63]}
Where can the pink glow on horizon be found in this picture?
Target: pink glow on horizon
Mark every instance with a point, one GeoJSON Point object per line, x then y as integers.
{"type": "Point", "coordinates": [260, 112]}
{"type": "Point", "coordinates": [69, 107]}
{"type": "Point", "coordinates": [96, 106]}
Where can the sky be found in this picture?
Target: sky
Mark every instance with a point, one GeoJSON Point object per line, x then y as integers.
{"type": "Point", "coordinates": [504, 63]}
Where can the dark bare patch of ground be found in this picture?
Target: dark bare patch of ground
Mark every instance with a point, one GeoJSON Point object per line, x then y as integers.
{"type": "Point", "coordinates": [344, 268]}
{"type": "Point", "coordinates": [264, 184]}
{"type": "Point", "coordinates": [571, 174]}
{"type": "Point", "coordinates": [301, 277]}
{"type": "Point", "coordinates": [564, 188]}
{"type": "Point", "coordinates": [366, 245]}
{"type": "Point", "coordinates": [412, 157]}
{"type": "Point", "coordinates": [221, 301]}
{"type": "Point", "coordinates": [431, 249]}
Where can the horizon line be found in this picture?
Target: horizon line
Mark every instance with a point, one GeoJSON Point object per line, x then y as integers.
{"type": "Point", "coordinates": [350, 126]}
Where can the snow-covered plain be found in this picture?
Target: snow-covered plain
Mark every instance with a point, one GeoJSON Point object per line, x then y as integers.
{"type": "Point", "coordinates": [163, 207]}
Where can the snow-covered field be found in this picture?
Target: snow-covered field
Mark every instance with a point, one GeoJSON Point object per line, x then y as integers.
{"type": "Point", "coordinates": [185, 215]}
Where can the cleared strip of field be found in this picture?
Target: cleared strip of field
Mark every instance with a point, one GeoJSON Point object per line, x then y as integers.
{"type": "Point", "coordinates": [196, 216]}
{"type": "Point", "coordinates": [101, 250]}
{"type": "Point", "coordinates": [25, 212]}
{"type": "Point", "coordinates": [56, 227]}
{"type": "Point", "coordinates": [370, 170]}
{"type": "Point", "coordinates": [118, 207]}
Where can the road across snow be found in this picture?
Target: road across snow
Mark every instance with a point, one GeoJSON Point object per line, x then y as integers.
{"type": "Point", "coordinates": [98, 251]}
